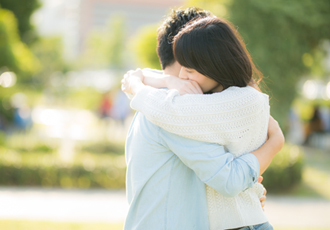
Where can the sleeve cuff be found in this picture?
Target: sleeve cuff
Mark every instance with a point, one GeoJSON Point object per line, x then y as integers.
{"type": "Point", "coordinates": [254, 168]}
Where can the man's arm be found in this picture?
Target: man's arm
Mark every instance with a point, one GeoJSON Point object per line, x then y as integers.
{"type": "Point", "coordinates": [264, 155]}
{"type": "Point", "coordinates": [219, 169]}
{"type": "Point", "coordinates": [215, 167]}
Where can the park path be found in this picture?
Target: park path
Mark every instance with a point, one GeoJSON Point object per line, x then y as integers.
{"type": "Point", "coordinates": [111, 206]}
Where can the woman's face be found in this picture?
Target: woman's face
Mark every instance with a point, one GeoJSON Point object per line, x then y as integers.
{"type": "Point", "coordinates": [206, 84]}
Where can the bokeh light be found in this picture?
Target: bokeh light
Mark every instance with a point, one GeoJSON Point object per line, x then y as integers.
{"type": "Point", "coordinates": [7, 79]}
{"type": "Point", "coordinates": [310, 89]}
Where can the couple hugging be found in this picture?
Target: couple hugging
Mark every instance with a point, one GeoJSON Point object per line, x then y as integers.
{"type": "Point", "coordinates": [195, 150]}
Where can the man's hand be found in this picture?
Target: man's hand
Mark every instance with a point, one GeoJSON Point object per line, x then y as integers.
{"type": "Point", "coordinates": [183, 86]}
{"type": "Point", "coordinates": [132, 81]}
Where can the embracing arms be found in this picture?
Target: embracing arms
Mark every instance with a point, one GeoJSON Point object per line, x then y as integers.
{"type": "Point", "coordinates": [181, 115]}
{"type": "Point", "coordinates": [218, 168]}
{"type": "Point", "coordinates": [212, 118]}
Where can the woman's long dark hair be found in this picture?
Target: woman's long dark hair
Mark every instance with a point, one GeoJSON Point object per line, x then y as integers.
{"type": "Point", "coordinates": [213, 48]}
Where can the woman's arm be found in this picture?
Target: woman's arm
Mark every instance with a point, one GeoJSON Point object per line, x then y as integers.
{"type": "Point", "coordinates": [272, 146]}
{"type": "Point", "coordinates": [153, 78]}
{"type": "Point", "coordinates": [159, 80]}
{"type": "Point", "coordinates": [211, 118]}
{"type": "Point", "coordinates": [203, 117]}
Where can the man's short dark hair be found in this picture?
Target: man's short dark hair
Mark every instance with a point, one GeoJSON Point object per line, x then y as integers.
{"type": "Point", "coordinates": [170, 27]}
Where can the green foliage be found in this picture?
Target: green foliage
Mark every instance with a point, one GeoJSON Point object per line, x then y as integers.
{"type": "Point", "coordinates": [2, 138]}
{"type": "Point", "coordinates": [15, 55]}
{"type": "Point", "coordinates": [278, 33]}
{"type": "Point", "coordinates": [117, 38]}
{"type": "Point", "coordinates": [105, 147]}
{"type": "Point", "coordinates": [39, 148]}
{"type": "Point", "coordinates": [145, 47]}
{"type": "Point", "coordinates": [23, 11]}
{"type": "Point", "coordinates": [49, 51]}
{"type": "Point", "coordinates": [47, 170]}
{"type": "Point", "coordinates": [85, 98]}
{"type": "Point", "coordinates": [25, 160]}
{"type": "Point", "coordinates": [6, 110]}
{"type": "Point", "coordinates": [285, 170]}
{"type": "Point", "coordinates": [105, 48]}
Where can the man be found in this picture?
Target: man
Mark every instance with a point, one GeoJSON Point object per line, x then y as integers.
{"type": "Point", "coordinates": [166, 173]}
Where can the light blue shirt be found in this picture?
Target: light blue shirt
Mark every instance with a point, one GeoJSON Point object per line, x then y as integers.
{"type": "Point", "coordinates": [166, 177]}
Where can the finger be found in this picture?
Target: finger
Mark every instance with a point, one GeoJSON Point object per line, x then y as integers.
{"type": "Point", "coordinates": [262, 204]}
{"type": "Point", "coordinates": [190, 87]}
{"type": "Point", "coordinates": [260, 179]}
{"type": "Point", "coordinates": [197, 87]}
{"type": "Point", "coordinates": [186, 91]}
{"type": "Point", "coordinates": [123, 88]}
{"type": "Point", "coordinates": [262, 199]}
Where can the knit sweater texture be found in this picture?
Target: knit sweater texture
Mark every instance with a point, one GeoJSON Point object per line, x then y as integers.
{"type": "Point", "coordinates": [236, 118]}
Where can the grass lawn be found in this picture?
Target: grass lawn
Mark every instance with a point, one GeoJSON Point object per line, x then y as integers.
{"type": "Point", "coordinates": [43, 225]}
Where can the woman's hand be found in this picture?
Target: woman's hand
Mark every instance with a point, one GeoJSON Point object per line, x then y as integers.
{"type": "Point", "coordinates": [183, 86]}
{"type": "Point", "coordinates": [132, 81]}
{"type": "Point", "coordinates": [263, 198]}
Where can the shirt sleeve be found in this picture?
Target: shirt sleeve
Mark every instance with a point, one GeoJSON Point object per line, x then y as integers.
{"type": "Point", "coordinates": [219, 169]}
{"type": "Point", "coordinates": [216, 118]}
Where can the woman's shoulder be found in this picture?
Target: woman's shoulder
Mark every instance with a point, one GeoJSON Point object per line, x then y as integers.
{"type": "Point", "coordinates": [249, 95]}
{"type": "Point", "coordinates": [247, 90]}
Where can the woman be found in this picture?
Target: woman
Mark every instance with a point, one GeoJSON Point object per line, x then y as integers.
{"type": "Point", "coordinates": [212, 54]}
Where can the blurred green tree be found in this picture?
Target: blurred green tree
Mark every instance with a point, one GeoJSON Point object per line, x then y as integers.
{"type": "Point", "coordinates": [145, 44]}
{"type": "Point", "coordinates": [49, 51]}
{"type": "Point", "coordinates": [15, 55]}
{"type": "Point", "coordinates": [116, 36]}
{"type": "Point", "coordinates": [23, 11]}
{"type": "Point", "coordinates": [105, 48]}
{"type": "Point", "coordinates": [282, 37]}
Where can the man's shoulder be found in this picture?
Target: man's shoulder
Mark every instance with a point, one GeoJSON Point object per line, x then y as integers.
{"type": "Point", "coordinates": [143, 124]}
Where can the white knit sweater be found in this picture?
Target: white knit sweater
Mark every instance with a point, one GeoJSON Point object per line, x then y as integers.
{"type": "Point", "coordinates": [236, 118]}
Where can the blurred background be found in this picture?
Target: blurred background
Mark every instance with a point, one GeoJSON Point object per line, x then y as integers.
{"type": "Point", "coordinates": [63, 117]}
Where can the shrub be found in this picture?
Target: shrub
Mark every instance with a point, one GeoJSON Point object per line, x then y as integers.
{"type": "Point", "coordinates": [47, 170]}
{"type": "Point", "coordinates": [104, 147]}
{"type": "Point", "coordinates": [285, 171]}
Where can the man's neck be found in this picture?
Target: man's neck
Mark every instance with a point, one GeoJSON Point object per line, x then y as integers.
{"type": "Point", "coordinates": [173, 69]}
